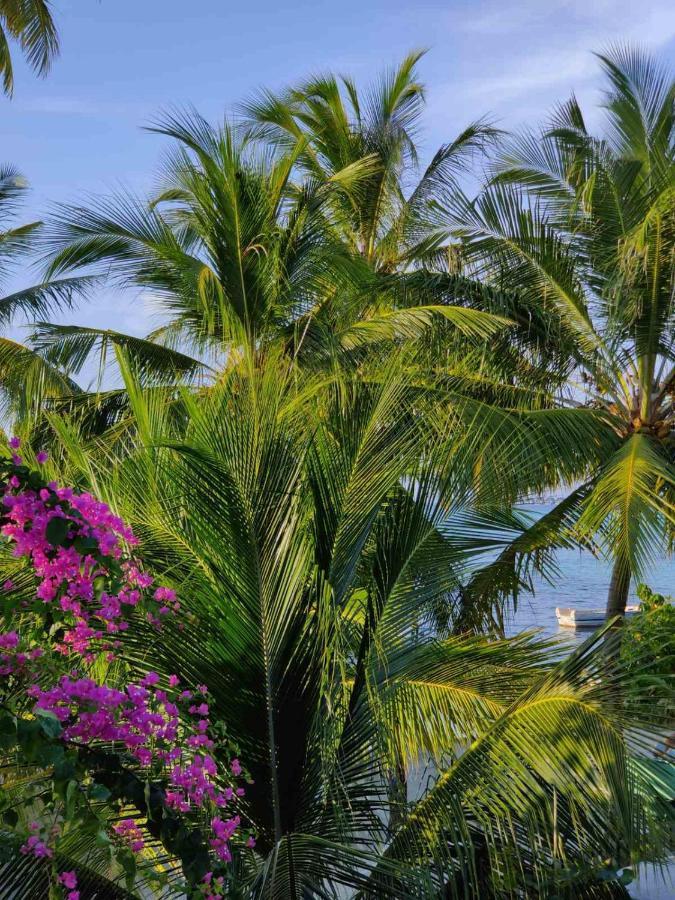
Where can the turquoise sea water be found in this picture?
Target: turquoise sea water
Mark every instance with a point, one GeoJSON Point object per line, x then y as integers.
{"type": "Point", "coordinates": [583, 582]}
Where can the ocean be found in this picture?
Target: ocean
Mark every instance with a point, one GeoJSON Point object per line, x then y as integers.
{"type": "Point", "coordinates": [583, 582]}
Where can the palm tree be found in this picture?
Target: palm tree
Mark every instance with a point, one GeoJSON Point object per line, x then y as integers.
{"type": "Point", "coordinates": [26, 377]}
{"type": "Point", "coordinates": [242, 247]}
{"type": "Point", "coordinates": [30, 24]}
{"type": "Point", "coordinates": [318, 531]}
{"type": "Point", "coordinates": [309, 225]}
{"type": "Point", "coordinates": [583, 229]}
{"type": "Point", "coordinates": [231, 248]}
{"type": "Point", "coordinates": [389, 219]}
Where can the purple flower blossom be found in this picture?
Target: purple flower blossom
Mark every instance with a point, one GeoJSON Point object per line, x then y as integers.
{"type": "Point", "coordinates": [68, 880]}
{"type": "Point", "coordinates": [141, 718]}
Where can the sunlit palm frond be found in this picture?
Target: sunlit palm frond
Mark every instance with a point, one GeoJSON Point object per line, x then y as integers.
{"type": "Point", "coordinates": [30, 24]}
{"type": "Point", "coordinates": [70, 346]}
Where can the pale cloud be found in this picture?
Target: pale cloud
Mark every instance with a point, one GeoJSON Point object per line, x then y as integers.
{"type": "Point", "coordinates": [533, 73]}
{"type": "Point", "coordinates": [519, 57]}
{"type": "Point", "coordinates": [75, 106]}
{"type": "Point", "coordinates": [506, 18]}
{"type": "Point", "coordinates": [653, 21]}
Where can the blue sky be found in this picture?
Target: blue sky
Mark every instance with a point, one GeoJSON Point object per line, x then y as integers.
{"type": "Point", "coordinates": [123, 61]}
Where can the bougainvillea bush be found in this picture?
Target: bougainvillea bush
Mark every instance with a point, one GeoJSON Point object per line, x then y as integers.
{"type": "Point", "coordinates": [125, 756]}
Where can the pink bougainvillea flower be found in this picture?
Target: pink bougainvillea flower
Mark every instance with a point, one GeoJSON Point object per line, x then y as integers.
{"type": "Point", "coordinates": [68, 880]}
{"type": "Point", "coordinates": [92, 589]}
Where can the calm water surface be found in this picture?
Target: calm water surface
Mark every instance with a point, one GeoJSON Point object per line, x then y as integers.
{"type": "Point", "coordinates": [583, 582]}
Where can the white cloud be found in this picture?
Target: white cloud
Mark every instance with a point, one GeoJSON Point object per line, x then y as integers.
{"type": "Point", "coordinates": [521, 56]}
{"type": "Point", "coordinates": [76, 106]}
{"type": "Point", "coordinates": [653, 21]}
{"type": "Point", "coordinates": [532, 74]}
{"type": "Point", "coordinates": [504, 19]}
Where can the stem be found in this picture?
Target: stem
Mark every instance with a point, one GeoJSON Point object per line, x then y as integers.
{"type": "Point", "coordinates": [397, 790]}
{"type": "Point", "coordinates": [618, 588]}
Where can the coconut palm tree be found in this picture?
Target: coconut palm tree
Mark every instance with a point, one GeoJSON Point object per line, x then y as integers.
{"type": "Point", "coordinates": [241, 247]}
{"type": "Point", "coordinates": [389, 220]}
{"type": "Point", "coordinates": [317, 531]}
{"type": "Point", "coordinates": [26, 377]}
{"type": "Point", "coordinates": [583, 228]}
{"type": "Point", "coordinates": [308, 225]}
{"type": "Point", "coordinates": [30, 24]}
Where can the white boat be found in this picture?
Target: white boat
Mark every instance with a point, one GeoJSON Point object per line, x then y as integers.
{"type": "Point", "coordinates": [570, 617]}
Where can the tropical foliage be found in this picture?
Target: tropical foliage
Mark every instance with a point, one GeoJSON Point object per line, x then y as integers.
{"type": "Point", "coordinates": [88, 749]}
{"type": "Point", "coordinates": [585, 228]}
{"type": "Point", "coordinates": [649, 647]}
{"type": "Point", "coordinates": [30, 24]}
{"type": "Point", "coordinates": [318, 533]}
{"type": "Point", "coordinates": [357, 374]}
{"type": "Point", "coordinates": [26, 378]}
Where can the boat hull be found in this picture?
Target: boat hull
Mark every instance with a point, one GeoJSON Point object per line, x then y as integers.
{"type": "Point", "coordinates": [570, 617]}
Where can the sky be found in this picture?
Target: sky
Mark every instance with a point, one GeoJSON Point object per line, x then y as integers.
{"type": "Point", "coordinates": [79, 131]}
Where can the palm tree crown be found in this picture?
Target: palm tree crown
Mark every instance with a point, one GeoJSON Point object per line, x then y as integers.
{"type": "Point", "coordinates": [30, 24]}
{"type": "Point", "coordinates": [584, 228]}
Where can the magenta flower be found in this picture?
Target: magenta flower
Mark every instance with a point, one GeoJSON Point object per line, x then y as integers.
{"type": "Point", "coordinates": [141, 719]}
{"type": "Point", "coordinates": [68, 880]}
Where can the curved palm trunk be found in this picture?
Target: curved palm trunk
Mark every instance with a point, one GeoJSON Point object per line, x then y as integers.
{"type": "Point", "coordinates": [618, 588]}
{"type": "Point", "coordinates": [397, 790]}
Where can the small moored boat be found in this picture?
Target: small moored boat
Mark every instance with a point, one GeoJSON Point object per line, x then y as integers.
{"type": "Point", "coordinates": [570, 617]}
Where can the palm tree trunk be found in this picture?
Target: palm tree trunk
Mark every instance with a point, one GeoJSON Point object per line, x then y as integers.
{"type": "Point", "coordinates": [398, 794]}
{"type": "Point", "coordinates": [618, 588]}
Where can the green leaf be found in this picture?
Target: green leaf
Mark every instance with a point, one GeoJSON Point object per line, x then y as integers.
{"type": "Point", "coordinates": [50, 754]}
{"type": "Point", "coordinates": [29, 734]}
{"type": "Point", "coordinates": [72, 790]}
{"type": "Point", "coordinates": [64, 770]}
{"type": "Point", "coordinates": [127, 861]}
{"type": "Point", "coordinates": [35, 481]}
{"type": "Point", "coordinates": [10, 817]}
{"type": "Point", "coordinates": [85, 545]}
{"type": "Point", "coordinates": [7, 731]}
{"type": "Point", "coordinates": [49, 723]}
{"type": "Point", "coordinates": [99, 586]}
{"type": "Point", "coordinates": [57, 530]}
{"type": "Point", "coordinates": [99, 792]}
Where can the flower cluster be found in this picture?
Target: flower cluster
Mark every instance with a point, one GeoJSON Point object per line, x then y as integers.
{"type": "Point", "coordinates": [222, 833]}
{"type": "Point", "coordinates": [130, 833]}
{"type": "Point", "coordinates": [91, 587]}
{"type": "Point", "coordinates": [13, 660]}
{"type": "Point", "coordinates": [76, 546]}
{"type": "Point", "coordinates": [212, 888]}
{"type": "Point", "coordinates": [154, 725]}
{"type": "Point", "coordinates": [69, 881]}
{"type": "Point", "coordinates": [36, 845]}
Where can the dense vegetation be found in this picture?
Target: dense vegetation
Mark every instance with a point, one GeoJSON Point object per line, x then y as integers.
{"type": "Point", "coordinates": [359, 373]}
